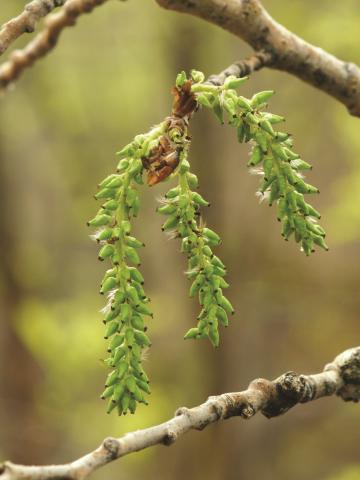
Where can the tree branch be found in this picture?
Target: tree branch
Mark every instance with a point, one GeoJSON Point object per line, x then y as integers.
{"type": "Point", "coordinates": [245, 18]}
{"type": "Point", "coordinates": [242, 68]}
{"type": "Point", "coordinates": [26, 21]}
{"type": "Point", "coordinates": [249, 20]}
{"type": "Point", "coordinates": [46, 40]}
{"type": "Point", "coordinates": [271, 398]}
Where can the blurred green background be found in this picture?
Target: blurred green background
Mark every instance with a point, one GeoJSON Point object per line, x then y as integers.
{"type": "Point", "coordinates": [109, 79]}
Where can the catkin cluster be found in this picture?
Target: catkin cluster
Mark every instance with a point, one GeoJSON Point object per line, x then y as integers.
{"type": "Point", "coordinates": [162, 153]}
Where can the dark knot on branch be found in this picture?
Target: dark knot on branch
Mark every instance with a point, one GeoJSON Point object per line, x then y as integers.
{"type": "Point", "coordinates": [290, 389]}
{"type": "Point", "coordinates": [348, 364]}
{"type": "Point", "coordinates": [112, 447]}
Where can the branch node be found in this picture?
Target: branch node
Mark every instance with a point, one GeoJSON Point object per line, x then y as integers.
{"type": "Point", "coordinates": [348, 364]}
{"type": "Point", "coordinates": [290, 389]}
{"type": "Point", "coordinates": [112, 446]}
{"type": "Point", "coordinates": [247, 412]}
{"type": "Point", "coordinates": [182, 411]}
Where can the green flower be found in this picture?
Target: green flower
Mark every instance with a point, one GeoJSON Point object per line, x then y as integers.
{"type": "Point", "coordinates": [273, 156]}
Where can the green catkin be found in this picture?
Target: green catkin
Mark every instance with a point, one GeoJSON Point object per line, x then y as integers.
{"type": "Point", "coordinates": [182, 206]}
{"type": "Point", "coordinates": [127, 304]}
{"type": "Point", "coordinates": [273, 157]}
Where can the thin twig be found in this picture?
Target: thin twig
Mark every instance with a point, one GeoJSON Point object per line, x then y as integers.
{"type": "Point", "coordinates": [26, 21]}
{"type": "Point", "coordinates": [271, 398]}
{"type": "Point", "coordinates": [45, 41]}
{"type": "Point", "coordinates": [242, 68]}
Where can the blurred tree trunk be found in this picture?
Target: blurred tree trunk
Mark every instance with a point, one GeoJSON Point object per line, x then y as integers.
{"type": "Point", "coordinates": [19, 373]}
{"type": "Point", "coordinates": [192, 461]}
{"type": "Point", "coordinates": [207, 159]}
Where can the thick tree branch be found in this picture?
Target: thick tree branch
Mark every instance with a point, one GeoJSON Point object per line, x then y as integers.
{"type": "Point", "coordinates": [271, 398]}
{"type": "Point", "coordinates": [245, 18]}
{"type": "Point", "coordinates": [26, 21]}
{"type": "Point", "coordinates": [46, 40]}
{"type": "Point", "coordinates": [249, 20]}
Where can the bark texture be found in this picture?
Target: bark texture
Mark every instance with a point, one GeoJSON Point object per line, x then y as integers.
{"type": "Point", "coordinates": [272, 398]}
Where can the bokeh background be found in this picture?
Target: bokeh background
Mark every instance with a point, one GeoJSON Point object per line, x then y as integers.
{"type": "Point", "coordinates": [109, 79]}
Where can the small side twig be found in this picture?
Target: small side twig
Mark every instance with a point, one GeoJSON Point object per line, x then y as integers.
{"type": "Point", "coordinates": [26, 21]}
{"type": "Point", "coordinates": [45, 41]}
{"type": "Point", "coordinates": [242, 68]}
